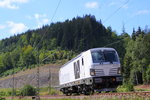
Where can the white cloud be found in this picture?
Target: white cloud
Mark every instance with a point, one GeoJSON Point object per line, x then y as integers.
{"type": "Point", "coordinates": [45, 21]}
{"type": "Point", "coordinates": [2, 26]}
{"type": "Point", "coordinates": [142, 12]}
{"type": "Point", "coordinates": [122, 4]}
{"type": "Point", "coordinates": [41, 19]}
{"type": "Point", "coordinates": [11, 4]}
{"type": "Point", "coordinates": [38, 16]}
{"type": "Point", "coordinates": [113, 4]}
{"type": "Point", "coordinates": [92, 5]}
{"type": "Point", "coordinates": [16, 28]}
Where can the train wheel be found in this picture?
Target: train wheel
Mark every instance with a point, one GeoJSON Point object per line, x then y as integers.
{"type": "Point", "coordinates": [88, 90]}
{"type": "Point", "coordinates": [91, 90]}
{"type": "Point", "coordinates": [68, 94]}
{"type": "Point", "coordinates": [84, 90]}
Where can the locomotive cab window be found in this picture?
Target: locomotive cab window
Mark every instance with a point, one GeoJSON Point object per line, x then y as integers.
{"type": "Point", "coordinates": [105, 56]}
{"type": "Point", "coordinates": [110, 56]}
{"type": "Point", "coordinates": [97, 56]}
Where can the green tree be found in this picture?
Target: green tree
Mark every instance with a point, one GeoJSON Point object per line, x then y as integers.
{"type": "Point", "coordinates": [2, 67]}
{"type": "Point", "coordinates": [27, 56]}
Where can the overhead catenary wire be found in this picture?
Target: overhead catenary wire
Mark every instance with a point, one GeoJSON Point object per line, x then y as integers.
{"type": "Point", "coordinates": [115, 11]}
{"type": "Point", "coordinates": [113, 43]}
{"type": "Point", "coordinates": [83, 34]}
{"type": "Point", "coordinates": [55, 11]}
{"type": "Point", "coordinates": [52, 20]}
{"type": "Point", "coordinates": [104, 22]}
{"type": "Point", "coordinates": [110, 17]}
{"type": "Point", "coordinates": [36, 48]}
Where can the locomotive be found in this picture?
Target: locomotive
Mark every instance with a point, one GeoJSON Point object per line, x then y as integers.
{"type": "Point", "coordinates": [94, 70]}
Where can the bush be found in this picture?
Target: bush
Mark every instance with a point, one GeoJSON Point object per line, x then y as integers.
{"type": "Point", "coordinates": [53, 92]}
{"type": "Point", "coordinates": [125, 88]}
{"type": "Point", "coordinates": [5, 92]}
{"type": "Point", "coordinates": [2, 93]}
{"type": "Point", "coordinates": [28, 90]}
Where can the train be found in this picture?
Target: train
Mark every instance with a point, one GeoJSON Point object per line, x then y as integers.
{"type": "Point", "coordinates": [94, 70]}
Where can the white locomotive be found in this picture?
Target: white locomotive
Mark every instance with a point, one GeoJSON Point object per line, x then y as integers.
{"type": "Point", "coordinates": [96, 69]}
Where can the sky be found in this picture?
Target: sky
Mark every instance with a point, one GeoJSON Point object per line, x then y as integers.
{"type": "Point", "coordinates": [18, 16]}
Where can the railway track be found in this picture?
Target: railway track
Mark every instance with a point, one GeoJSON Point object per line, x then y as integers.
{"type": "Point", "coordinates": [141, 94]}
{"type": "Point", "coordinates": [95, 96]}
{"type": "Point", "coordinates": [103, 95]}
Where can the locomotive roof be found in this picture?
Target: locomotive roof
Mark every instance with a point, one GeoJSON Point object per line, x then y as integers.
{"type": "Point", "coordinates": [93, 49]}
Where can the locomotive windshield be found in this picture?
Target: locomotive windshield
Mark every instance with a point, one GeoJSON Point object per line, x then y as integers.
{"type": "Point", "coordinates": [105, 56]}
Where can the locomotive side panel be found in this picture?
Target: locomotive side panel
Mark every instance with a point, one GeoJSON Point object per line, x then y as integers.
{"type": "Point", "coordinates": [76, 69]}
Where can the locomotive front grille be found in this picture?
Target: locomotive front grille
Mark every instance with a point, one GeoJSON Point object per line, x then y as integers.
{"type": "Point", "coordinates": [113, 71]}
{"type": "Point", "coordinates": [99, 72]}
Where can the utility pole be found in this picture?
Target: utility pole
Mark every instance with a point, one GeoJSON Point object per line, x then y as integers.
{"type": "Point", "coordinates": [49, 77]}
{"type": "Point", "coordinates": [13, 85]}
{"type": "Point", "coordinates": [49, 80]}
{"type": "Point", "coordinates": [38, 81]}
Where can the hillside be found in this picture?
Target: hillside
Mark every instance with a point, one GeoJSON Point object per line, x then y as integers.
{"type": "Point", "coordinates": [57, 41]}
{"type": "Point", "coordinates": [64, 40]}
{"type": "Point", "coordinates": [30, 77]}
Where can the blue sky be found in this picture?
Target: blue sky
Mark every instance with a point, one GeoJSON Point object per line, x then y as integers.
{"type": "Point", "coordinates": [18, 16]}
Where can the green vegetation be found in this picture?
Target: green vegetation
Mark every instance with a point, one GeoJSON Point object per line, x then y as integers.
{"type": "Point", "coordinates": [125, 88]}
{"type": "Point", "coordinates": [145, 88]}
{"type": "Point", "coordinates": [136, 65]}
{"type": "Point", "coordinates": [5, 92]}
{"type": "Point", "coordinates": [28, 90]}
{"type": "Point", "coordinates": [62, 41]}
{"type": "Point", "coordinates": [141, 89]}
{"type": "Point", "coordinates": [49, 91]}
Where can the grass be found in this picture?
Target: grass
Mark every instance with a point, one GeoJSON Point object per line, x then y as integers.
{"type": "Point", "coordinates": [43, 91]}
{"type": "Point", "coordinates": [141, 89]}
{"type": "Point", "coordinates": [49, 91]}
{"type": "Point", "coordinates": [5, 92]}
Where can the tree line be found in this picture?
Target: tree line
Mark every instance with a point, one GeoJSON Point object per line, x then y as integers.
{"type": "Point", "coordinates": [64, 40]}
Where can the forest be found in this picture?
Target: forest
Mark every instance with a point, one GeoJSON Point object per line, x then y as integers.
{"type": "Point", "coordinates": [64, 40]}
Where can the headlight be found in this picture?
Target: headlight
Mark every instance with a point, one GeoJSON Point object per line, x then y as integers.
{"type": "Point", "coordinates": [113, 79]}
{"type": "Point", "coordinates": [92, 72]}
{"type": "Point", "coordinates": [119, 70]}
